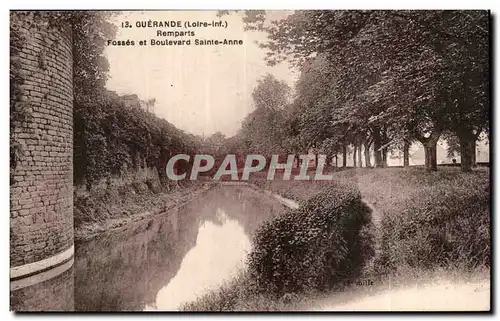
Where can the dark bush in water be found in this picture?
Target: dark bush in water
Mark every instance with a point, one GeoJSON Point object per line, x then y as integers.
{"type": "Point", "coordinates": [324, 242]}
{"type": "Point", "coordinates": [446, 224]}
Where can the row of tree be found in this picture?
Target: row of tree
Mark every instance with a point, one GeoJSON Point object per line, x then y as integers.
{"type": "Point", "coordinates": [378, 79]}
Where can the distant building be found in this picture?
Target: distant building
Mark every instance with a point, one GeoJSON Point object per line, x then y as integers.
{"type": "Point", "coordinates": [133, 101]}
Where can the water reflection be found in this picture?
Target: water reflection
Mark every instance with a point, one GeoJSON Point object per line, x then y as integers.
{"type": "Point", "coordinates": [161, 263]}
{"type": "Point", "coordinates": [55, 294]}
{"type": "Point", "coordinates": [219, 253]}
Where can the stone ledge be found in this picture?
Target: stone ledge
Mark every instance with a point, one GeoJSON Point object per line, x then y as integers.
{"type": "Point", "coordinates": [36, 267]}
{"type": "Point", "coordinates": [41, 277]}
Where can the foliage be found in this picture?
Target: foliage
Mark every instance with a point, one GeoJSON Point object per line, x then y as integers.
{"type": "Point", "coordinates": [314, 103]}
{"type": "Point", "coordinates": [316, 246]}
{"type": "Point", "coordinates": [215, 144]}
{"type": "Point", "coordinates": [447, 223]}
{"type": "Point", "coordinates": [382, 76]}
{"type": "Point", "coordinates": [239, 294]}
{"type": "Point", "coordinates": [110, 137]}
{"type": "Point", "coordinates": [91, 30]}
{"type": "Point", "coordinates": [265, 130]}
{"type": "Point", "coordinates": [271, 93]}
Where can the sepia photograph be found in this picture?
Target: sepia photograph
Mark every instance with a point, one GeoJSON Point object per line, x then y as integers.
{"type": "Point", "coordinates": [250, 160]}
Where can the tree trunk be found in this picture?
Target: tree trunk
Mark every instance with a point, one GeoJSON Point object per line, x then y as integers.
{"type": "Point", "coordinates": [384, 141]}
{"type": "Point", "coordinates": [406, 153]}
{"type": "Point", "coordinates": [473, 149]}
{"type": "Point", "coordinates": [368, 162]}
{"type": "Point", "coordinates": [329, 161]}
{"type": "Point", "coordinates": [344, 156]}
{"type": "Point", "coordinates": [377, 143]}
{"type": "Point", "coordinates": [354, 156]}
{"type": "Point", "coordinates": [467, 153]}
{"type": "Point", "coordinates": [360, 156]}
{"type": "Point", "coordinates": [430, 149]}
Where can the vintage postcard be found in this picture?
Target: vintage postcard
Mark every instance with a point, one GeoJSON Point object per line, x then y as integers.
{"type": "Point", "coordinates": [250, 160]}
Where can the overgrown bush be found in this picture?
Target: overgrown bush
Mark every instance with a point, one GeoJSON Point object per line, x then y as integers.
{"type": "Point", "coordinates": [110, 136]}
{"type": "Point", "coordinates": [445, 224]}
{"type": "Point", "coordinates": [320, 244]}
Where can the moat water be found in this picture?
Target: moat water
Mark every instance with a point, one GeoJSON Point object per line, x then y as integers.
{"type": "Point", "coordinates": [161, 263]}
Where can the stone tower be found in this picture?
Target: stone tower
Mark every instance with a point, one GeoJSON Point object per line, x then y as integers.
{"type": "Point", "coordinates": [41, 217]}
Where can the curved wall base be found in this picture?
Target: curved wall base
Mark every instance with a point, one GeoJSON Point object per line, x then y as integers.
{"type": "Point", "coordinates": [36, 272]}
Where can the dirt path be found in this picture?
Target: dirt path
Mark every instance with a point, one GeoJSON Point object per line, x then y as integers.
{"type": "Point", "coordinates": [444, 295]}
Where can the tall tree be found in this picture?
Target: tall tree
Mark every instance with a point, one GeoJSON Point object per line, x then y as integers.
{"type": "Point", "coordinates": [264, 130]}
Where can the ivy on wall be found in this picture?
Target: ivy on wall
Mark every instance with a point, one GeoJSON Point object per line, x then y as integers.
{"type": "Point", "coordinates": [110, 137]}
{"type": "Point", "coordinates": [19, 112]}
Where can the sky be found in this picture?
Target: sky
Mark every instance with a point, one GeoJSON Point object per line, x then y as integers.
{"type": "Point", "coordinates": [200, 89]}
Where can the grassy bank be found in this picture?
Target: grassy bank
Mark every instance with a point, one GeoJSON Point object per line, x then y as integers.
{"type": "Point", "coordinates": [427, 225]}
{"type": "Point", "coordinates": [443, 222]}
{"type": "Point", "coordinates": [112, 208]}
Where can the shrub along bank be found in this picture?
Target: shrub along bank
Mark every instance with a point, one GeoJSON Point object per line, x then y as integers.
{"type": "Point", "coordinates": [321, 244]}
